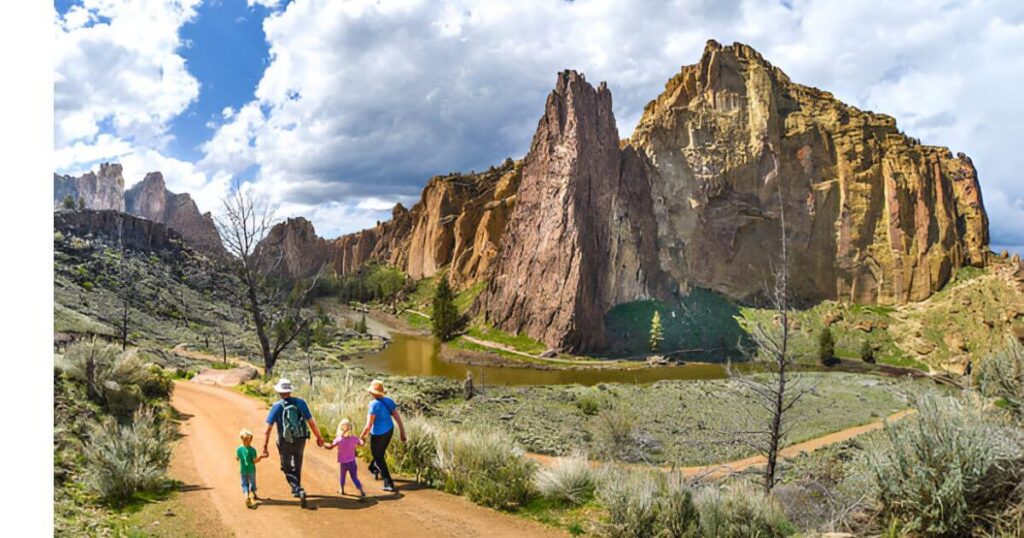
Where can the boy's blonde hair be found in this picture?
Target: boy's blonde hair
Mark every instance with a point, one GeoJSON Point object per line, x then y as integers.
{"type": "Point", "coordinates": [245, 433]}
{"type": "Point", "coordinates": [344, 427]}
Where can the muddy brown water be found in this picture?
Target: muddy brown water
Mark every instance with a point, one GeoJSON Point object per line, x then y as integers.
{"type": "Point", "coordinates": [412, 355]}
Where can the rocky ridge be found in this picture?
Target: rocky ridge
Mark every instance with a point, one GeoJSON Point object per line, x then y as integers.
{"type": "Point", "coordinates": [457, 223]}
{"type": "Point", "coordinates": [148, 199]}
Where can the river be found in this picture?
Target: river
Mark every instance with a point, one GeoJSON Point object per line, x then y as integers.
{"type": "Point", "coordinates": [412, 355]}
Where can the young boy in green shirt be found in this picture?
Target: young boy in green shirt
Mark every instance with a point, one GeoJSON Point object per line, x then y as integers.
{"type": "Point", "coordinates": [247, 459]}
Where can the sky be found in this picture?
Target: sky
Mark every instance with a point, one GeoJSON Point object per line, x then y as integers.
{"type": "Point", "coordinates": [337, 109]}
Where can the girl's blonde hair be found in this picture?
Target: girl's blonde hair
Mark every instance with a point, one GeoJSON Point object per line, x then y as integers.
{"type": "Point", "coordinates": [344, 428]}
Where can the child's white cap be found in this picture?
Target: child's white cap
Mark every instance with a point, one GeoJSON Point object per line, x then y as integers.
{"type": "Point", "coordinates": [244, 433]}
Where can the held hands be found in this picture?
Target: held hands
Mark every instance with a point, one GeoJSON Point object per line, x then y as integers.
{"type": "Point", "coordinates": [266, 453]}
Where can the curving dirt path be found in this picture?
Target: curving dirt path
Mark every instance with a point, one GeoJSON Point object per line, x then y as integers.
{"type": "Point", "coordinates": [720, 470]}
{"type": "Point", "coordinates": [205, 462]}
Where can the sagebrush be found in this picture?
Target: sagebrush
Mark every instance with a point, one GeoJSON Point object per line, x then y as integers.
{"type": "Point", "coordinates": [949, 468]}
{"type": "Point", "coordinates": [123, 459]}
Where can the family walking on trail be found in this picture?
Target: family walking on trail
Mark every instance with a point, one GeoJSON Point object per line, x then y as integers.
{"type": "Point", "coordinates": [294, 423]}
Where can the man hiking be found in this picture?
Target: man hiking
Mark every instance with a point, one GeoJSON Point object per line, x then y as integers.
{"type": "Point", "coordinates": [294, 422]}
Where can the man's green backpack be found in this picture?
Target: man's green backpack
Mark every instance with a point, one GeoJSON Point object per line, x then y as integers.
{"type": "Point", "coordinates": [294, 425]}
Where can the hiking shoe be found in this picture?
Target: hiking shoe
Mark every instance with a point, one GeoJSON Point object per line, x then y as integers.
{"type": "Point", "coordinates": [248, 502]}
{"type": "Point", "coordinates": [302, 498]}
{"type": "Point", "coordinates": [388, 487]}
{"type": "Point", "coordinates": [362, 495]}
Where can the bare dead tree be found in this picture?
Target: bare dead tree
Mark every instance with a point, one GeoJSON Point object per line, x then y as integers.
{"type": "Point", "coordinates": [773, 386]}
{"type": "Point", "coordinates": [274, 307]}
{"type": "Point", "coordinates": [125, 279]}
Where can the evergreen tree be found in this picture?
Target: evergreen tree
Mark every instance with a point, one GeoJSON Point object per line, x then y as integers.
{"type": "Point", "coordinates": [446, 315]}
{"type": "Point", "coordinates": [826, 347]}
{"type": "Point", "coordinates": [361, 325]}
{"type": "Point", "coordinates": [81, 203]}
{"type": "Point", "coordinates": [656, 335]}
{"type": "Point", "coordinates": [867, 352]}
{"type": "Point", "coordinates": [69, 202]}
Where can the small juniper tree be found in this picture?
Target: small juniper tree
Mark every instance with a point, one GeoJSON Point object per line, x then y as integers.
{"type": "Point", "coordinates": [360, 326]}
{"type": "Point", "coordinates": [656, 335]}
{"type": "Point", "coordinates": [81, 203]}
{"type": "Point", "coordinates": [867, 352]}
{"type": "Point", "coordinates": [69, 202]}
{"type": "Point", "coordinates": [826, 347]}
{"type": "Point", "coordinates": [446, 315]}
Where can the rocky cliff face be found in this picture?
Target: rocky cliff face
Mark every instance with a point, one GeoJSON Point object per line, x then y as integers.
{"type": "Point", "coordinates": [576, 240]}
{"type": "Point", "coordinates": [296, 250]}
{"type": "Point", "coordinates": [135, 232]}
{"type": "Point", "coordinates": [104, 190]}
{"type": "Point", "coordinates": [458, 223]}
{"type": "Point", "coordinates": [150, 199]}
{"type": "Point", "coordinates": [695, 198]}
{"type": "Point", "coordinates": [872, 216]}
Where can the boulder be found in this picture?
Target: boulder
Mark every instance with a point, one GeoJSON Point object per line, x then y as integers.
{"type": "Point", "coordinates": [225, 378]}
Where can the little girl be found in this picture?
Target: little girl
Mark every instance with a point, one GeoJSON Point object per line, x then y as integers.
{"type": "Point", "coordinates": [347, 443]}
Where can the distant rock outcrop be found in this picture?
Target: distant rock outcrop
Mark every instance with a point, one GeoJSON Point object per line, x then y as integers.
{"type": "Point", "coordinates": [150, 199]}
{"type": "Point", "coordinates": [96, 191]}
{"type": "Point", "coordinates": [295, 249]}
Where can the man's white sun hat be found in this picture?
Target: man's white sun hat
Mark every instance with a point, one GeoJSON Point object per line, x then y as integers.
{"type": "Point", "coordinates": [283, 386]}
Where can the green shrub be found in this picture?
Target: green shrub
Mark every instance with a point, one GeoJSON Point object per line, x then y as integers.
{"type": "Point", "coordinates": [1001, 376]}
{"type": "Point", "coordinates": [947, 469]}
{"type": "Point", "coordinates": [568, 481]}
{"type": "Point", "coordinates": [826, 347]}
{"type": "Point", "coordinates": [739, 510]}
{"type": "Point", "coordinates": [614, 434]}
{"type": "Point", "coordinates": [629, 498]}
{"type": "Point", "coordinates": [418, 455]}
{"type": "Point", "coordinates": [122, 460]}
{"type": "Point", "coordinates": [120, 381]}
{"type": "Point", "coordinates": [678, 516]}
{"type": "Point", "coordinates": [484, 467]}
{"type": "Point", "coordinates": [590, 402]}
{"type": "Point", "coordinates": [867, 352]}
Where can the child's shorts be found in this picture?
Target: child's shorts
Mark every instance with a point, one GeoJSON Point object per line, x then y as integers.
{"type": "Point", "coordinates": [248, 483]}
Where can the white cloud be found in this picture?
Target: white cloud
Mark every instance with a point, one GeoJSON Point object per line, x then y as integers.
{"type": "Point", "coordinates": [364, 100]}
{"type": "Point", "coordinates": [116, 62]}
{"type": "Point", "coordinates": [119, 81]}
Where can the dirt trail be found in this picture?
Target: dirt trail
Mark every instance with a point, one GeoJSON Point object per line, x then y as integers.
{"type": "Point", "coordinates": [724, 469]}
{"type": "Point", "coordinates": [206, 463]}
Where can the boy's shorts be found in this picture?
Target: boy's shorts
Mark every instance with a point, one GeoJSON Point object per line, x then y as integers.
{"type": "Point", "coordinates": [248, 483]}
